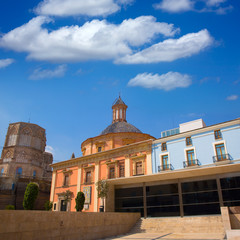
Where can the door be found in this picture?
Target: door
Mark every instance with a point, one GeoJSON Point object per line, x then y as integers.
{"type": "Point", "coordinates": [220, 149]}
{"type": "Point", "coordinates": [63, 206]}
{"type": "Point", "coordinates": [191, 158]}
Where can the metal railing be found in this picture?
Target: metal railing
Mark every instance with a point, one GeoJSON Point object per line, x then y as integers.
{"type": "Point", "coordinates": [222, 157]}
{"type": "Point", "coordinates": [190, 163]}
{"type": "Point", "coordinates": [165, 167]}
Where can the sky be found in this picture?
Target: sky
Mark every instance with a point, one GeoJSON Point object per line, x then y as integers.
{"type": "Point", "coordinates": [64, 62]}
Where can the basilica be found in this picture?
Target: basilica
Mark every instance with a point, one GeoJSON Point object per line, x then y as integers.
{"type": "Point", "coordinates": [191, 170]}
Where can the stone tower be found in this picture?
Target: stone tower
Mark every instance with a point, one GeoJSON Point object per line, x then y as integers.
{"type": "Point", "coordinates": [24, 153]}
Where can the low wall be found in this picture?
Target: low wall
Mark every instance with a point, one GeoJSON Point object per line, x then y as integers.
{"type": "Point", "coordinates": [45, 225]}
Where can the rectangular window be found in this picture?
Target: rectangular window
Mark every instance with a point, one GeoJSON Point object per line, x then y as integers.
{"type": "Point", "coordinates": [188, 141]}
{"type": "Point", "coordinates": [165, 164]}
{"type": "Point", "coordinates": [88, 177]}
{"type": "Point", "coordinates": [191, 157]}
{"type": "Point", "coordinates": [139, 168]}
{"type": "Point", "coordinates": [218, 134]}
{"type": "Point", "coordinates": [111, 172]}
{"type": "Point", "coordinates": [66, 180]}
{"type": "Point", "coordinates": [121, 170]}
{"type": "Point", "coordinates": [164, 147]}
{"type": "Point", "coordinates": [99, 149]}
{"type": "Point", "coordinates": [220, 150]}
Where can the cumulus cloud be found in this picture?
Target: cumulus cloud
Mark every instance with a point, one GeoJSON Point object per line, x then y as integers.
{"type": "Point", "coordinates": [91, 8]}
{"type": "Point", "coordinates": [167, 82]}
{"type": "Point", "coordinates": [98, 40]}
{"type": "Point", "coordinates": [50, 149]}
{"type": "Point", "coordinates": [177, 6]}
{"type": "Point", "coordinates": [40, 73]}
{"type": "Point", "coordinates": [171, 49]}
{"type": "Point", "coordinates": [232, 97]}
{"type": "Point", "coordinates": [6, 62]}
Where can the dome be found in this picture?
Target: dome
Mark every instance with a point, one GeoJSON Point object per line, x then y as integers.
{"type": "Point", "coordinates": [120, 127]}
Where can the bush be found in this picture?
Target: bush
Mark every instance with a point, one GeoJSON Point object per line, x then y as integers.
{"type": "Point", "coordinates": [48, 205]}
{"type": "Point", "coordinates": [80, 199]}
{"type": "Point", "coordinates": [9, 207]}
{"type": "Point", "coordinates": [30, 195]}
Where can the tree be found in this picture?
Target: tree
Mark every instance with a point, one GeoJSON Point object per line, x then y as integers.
{"type": "Point", "coordinates": [102, 190]}
{"type": "Point", "coordinates": [80, 199]}
{"type": "Point", "coordinates": [48, 205]}
{"type": "Point", "coordinates": [30, 195]}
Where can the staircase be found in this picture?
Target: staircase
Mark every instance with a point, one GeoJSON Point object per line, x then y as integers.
{"type": "Point", "coordinates": [197, 227]}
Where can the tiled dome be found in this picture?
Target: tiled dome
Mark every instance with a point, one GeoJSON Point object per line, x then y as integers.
{"type": "Point", "coordinates": [120, 127]}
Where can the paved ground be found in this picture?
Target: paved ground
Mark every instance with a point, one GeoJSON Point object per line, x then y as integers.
{"type": "Point", "coordinates": [155, 236]}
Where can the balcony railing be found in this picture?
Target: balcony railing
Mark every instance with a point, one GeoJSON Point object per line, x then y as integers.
{"type": "Point", "coordinates": [222, 157]}
{"type": "Point", "coordinates": [190, 163]}
{"type": "Point", "coordinates": [165, 167]}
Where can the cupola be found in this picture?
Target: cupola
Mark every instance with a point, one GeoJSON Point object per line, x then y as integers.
{"type": "Point", "coordinates": [119, 110]}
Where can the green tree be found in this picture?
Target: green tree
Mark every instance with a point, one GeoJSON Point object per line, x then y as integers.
{"type": "Point", "coordinates": [102, 190]}
{"type": "Point", "coordinates": [80, 199]}
{"type": "Point", "coordinates": [30, 195]}
{"type": "Point", "coordinates": [48, 205]}
{"type": "Point", "coordinates": [9, 207]}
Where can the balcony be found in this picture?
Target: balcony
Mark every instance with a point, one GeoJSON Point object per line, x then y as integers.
{"type": "Point", "coordinates": [165, 167]}
{"type": "Point", "coordinates": [193, 162]}
{"type": "Point", "coordinates": [223, 157]}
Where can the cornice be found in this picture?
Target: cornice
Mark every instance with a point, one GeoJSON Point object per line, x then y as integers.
{"type": "Point", "coordinates": [109, 154]}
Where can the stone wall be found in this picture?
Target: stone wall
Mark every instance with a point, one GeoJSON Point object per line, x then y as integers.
{"type": "Point", "coordinates": [34, 225]}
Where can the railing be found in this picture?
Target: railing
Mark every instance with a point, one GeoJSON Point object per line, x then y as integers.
{"type": "Point", "coordinates": [193, 162]}
{"type": "Point", "coordinates": [165, 167]}
{"type": "Point", "coordinates": [221, 157]}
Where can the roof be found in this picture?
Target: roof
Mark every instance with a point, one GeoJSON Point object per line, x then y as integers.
{"type": "Point", "coordinates": [120, 127]}
{"type": "Point", "coordinates": [118, 101]}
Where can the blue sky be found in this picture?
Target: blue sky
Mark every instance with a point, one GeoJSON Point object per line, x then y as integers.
{"type": "Point", "coordinates": [63, 63]}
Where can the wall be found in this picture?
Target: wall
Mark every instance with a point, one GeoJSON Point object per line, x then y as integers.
{"type": "Point", "coordinates": [33, 225]}
{"type": "Point", "coordinates": [202, 142]}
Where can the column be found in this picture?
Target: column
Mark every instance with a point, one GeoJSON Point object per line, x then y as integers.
{"type": "Point", "coordinates": [180, 198]}
{"type": "Point", "coordinates": [53, 186]}
{"type": "Point", "coordinates": [149, 163]}
{"type": "Point", "coordinates": [219, 191]}
{"type": "Point", "coordinates": [79, 179]}
{"type": "Point", "coordinates": [95, 206]}
{"type": "Point", "coordinates": [127, 166]}
{"type": "Point", "coordinates": [144, 201]}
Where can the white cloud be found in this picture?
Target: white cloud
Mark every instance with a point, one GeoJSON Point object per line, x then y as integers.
{"type": "Point", "coordinates": [91, 8]}
{"type": "Point", "coordinates": [6, 62]}
{"type": "Point", "coordinates": [171, 49]}
{"type": "Point", "coordinates": [40, 73]}
{"type": "Point", "coordinates": [175, 5]}
{"type": "Point", "coordinates": [167, 82]}
{"type": "Point", "coordinates": [214, 2]}
{"type": "Point", "coordinates": [98, 40]}
{"type": "Point", "coordinates": [50, 149]}
{"type": "Point", "coordinates": [232, 97]}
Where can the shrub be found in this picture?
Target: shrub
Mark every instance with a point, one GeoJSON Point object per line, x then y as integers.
{"type": "Point", "coordinates": [9, 207]}
{"type": "Point", "coordinates": [30, 195]}
{"type": "Point", "coordinates": [80, 199]}
{"type": "Point", "coordinates": [48, 205]}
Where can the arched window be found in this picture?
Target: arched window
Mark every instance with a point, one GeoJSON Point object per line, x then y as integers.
{"type": "Point", "coordinates": [2, 171]}
{"type": "Point", "coordinates": [19, 171]}
{"type": "Point", "coordinates": [34, 173]}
